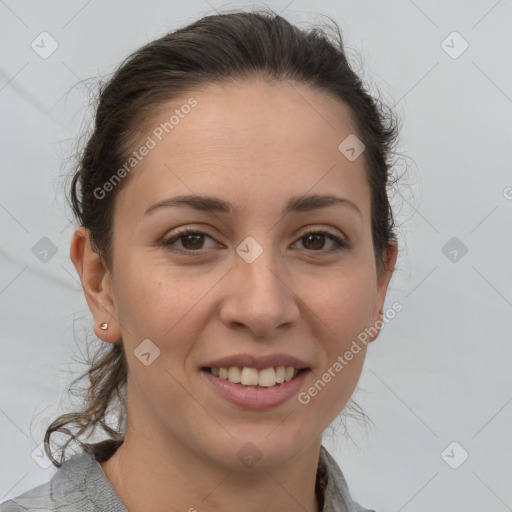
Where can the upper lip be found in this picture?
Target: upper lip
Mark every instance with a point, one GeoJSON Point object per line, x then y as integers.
{"type": "Point", "coordinates": [258, 362]}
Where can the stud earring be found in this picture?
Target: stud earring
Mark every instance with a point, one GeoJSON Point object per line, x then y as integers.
{"type": "Point", "coordinates": [104, 327]}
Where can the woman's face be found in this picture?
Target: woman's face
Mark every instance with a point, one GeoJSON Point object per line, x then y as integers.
{"type": "Point", "coordinates": [250, 281]}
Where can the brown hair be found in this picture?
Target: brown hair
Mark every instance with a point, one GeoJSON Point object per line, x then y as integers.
{"type": "Point", "coordinates": [215, 49]}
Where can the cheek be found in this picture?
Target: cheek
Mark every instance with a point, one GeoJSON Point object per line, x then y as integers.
{"type": "Point", "coordinates": [155, 301]}
{"type": "Point", "coordinates": [329, 392]}
{"type": "Point", "coordinates": [344, 306]}
{"type": "Point", "coordinates": [150, 294]}
{"type": "Point", "coordinates": [344, 303]}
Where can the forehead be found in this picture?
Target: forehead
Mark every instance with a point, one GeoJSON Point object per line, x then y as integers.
{"type": "Point", "coordinates": [245, 140]}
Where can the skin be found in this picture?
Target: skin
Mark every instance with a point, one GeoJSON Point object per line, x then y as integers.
{"type": "Point", "coordinates": [254, 144]}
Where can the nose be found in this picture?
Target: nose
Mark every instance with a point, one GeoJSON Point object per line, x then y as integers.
{"type": "Point", "coordinates": [260, 297]}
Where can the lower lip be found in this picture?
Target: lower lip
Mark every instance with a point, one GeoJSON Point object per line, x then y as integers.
{"type": "Point", "coordinates": [256, 398]}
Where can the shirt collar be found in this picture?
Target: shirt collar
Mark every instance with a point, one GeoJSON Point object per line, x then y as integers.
{"type": "Point", "coordinates": [332, 486]}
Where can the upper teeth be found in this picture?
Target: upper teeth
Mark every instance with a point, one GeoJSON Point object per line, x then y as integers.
{"type": "Point", "coordinates": [252, 377]}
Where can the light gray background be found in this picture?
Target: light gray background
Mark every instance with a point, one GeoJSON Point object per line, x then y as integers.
{"type": "Point", "coordinates": [439, 372]}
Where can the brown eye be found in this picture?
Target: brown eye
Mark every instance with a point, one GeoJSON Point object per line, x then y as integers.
{"type": "Point", "coordinates": [191, 241]}
{"type": "Point", "coordinates": [315, 241]}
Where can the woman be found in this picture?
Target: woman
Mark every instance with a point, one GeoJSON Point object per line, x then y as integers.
{"type": "Point", "coordinates": [235, 244]}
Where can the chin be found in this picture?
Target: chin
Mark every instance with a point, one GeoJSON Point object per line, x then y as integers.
{"type": "Point", "coordinates": [257, 448]}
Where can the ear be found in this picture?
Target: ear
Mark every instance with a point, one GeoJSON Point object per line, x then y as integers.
{"type": "Point", "coordinates": [96, 283]}
{"type": "Point", "coordinates": [390, 255]}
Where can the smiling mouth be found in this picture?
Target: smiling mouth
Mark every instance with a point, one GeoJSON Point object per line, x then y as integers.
{"type": "Point", "coordinates": [254, 378]}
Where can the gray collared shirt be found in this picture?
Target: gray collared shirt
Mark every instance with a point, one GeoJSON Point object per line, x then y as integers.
{"type": "Point", "coordinates": [80, 485]}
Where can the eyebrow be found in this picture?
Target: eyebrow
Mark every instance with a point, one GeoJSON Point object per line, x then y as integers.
{"type": "Point", "coordinates": [303, 203]}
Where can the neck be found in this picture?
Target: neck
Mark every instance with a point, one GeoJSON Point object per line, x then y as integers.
{"type": "Point", "coordinates": [152, 472]}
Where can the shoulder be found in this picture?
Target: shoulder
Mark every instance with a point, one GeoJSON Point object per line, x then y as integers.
{"type": "Point", "coordinates": [36, 498]}
{"type": "Point", "coordinates": [334, 486]}
{"type": "Point", "coordinates": [78, 486]}
{"type": "Point", "coordinates": [359, 508]}
{"type": "Point", "coordinates": [64, 492]}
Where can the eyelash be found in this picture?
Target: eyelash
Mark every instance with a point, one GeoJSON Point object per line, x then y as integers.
{"type": "Point", "coordinates": [340, 243]}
